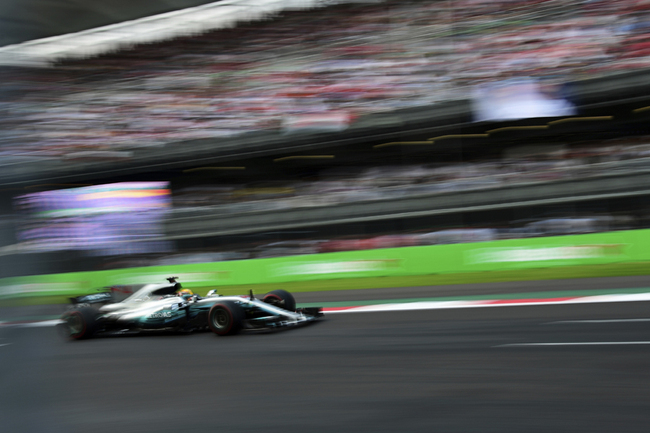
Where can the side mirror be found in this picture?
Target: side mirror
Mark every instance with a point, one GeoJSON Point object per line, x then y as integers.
{"type": "Point", "coordinates": [212, 293]}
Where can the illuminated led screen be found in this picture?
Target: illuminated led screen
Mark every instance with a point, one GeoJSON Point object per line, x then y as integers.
{"type": "Point", "coordinates": [118, 218]}
{"type": "Point", "coordinates": [518, 98]}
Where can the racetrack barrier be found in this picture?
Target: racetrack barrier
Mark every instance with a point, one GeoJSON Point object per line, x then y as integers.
{"type": "Point", "coordinates": [514, 254]}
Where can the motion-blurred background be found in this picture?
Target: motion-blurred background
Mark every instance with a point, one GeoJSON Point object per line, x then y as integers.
{"type": "Point", "coordinates": [253, 129]}
{"type": "Point", "coordinates": [464, 162]}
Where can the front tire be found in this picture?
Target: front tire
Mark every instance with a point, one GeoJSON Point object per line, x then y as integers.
{"type": "Point", "coordinates": [80, 324]}
{"type": "Point", "coordinates": [226, 318]}
{"type": "Point", "coordinates": [280, 298]}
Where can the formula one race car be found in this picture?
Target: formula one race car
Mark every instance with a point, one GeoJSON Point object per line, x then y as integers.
{"type": "Point", "coordinates": [169, 307]}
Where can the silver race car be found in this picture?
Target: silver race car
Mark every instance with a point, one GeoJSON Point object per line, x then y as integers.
{"type": "Point", "coordinates": [170, 308]}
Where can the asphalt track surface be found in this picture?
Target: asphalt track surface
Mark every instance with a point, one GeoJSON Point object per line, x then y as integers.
{"type": "Point", "coordinates": [465, 370]}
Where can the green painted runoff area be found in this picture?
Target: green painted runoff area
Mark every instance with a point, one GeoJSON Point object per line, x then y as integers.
{"type": "Point", "coordinates": [616, 253]}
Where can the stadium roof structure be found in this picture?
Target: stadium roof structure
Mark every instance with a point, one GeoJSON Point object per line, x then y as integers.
{"type": "Point", "coordinates": [45, 52]}
{"type": "Point", "coordinates": [26, 20]}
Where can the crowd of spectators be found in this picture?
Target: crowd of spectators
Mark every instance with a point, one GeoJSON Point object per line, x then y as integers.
{"type": "Point", "coordinates": [320, 68]}
{"type": "Point", "coordinates": [518, 166]}
{"type": "Point", "coordinates": [555, 226]}
{"type": "Point", "coordinates": [348, 185]}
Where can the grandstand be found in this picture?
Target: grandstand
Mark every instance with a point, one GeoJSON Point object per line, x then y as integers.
{"type": "Point", "coordinates": [332, 122]}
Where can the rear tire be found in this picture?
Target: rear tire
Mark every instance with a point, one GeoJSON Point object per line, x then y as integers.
{"type": "Point", "coordinates": [280, 298]}
{"type": "Point", "coordinates": [226, 318]}
{"type": "Point", "coordinates": [80, 324]}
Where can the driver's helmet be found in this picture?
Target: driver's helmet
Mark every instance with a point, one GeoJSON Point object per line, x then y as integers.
{"type": "Point", "coordinates": [185, 294]}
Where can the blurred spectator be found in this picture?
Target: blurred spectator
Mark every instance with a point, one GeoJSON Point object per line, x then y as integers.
{"type": "Point", "coordinates": [318, 69]}
{"type": "Point", "coordinates": [342, 185]}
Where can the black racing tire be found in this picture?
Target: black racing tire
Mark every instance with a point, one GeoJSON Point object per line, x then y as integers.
{"type": "Point", "coordinates": [280, 298]}
{"type": "Point", "coordinates": [81, 323]}
{"type": "Point", "coordinates": [226, 318]}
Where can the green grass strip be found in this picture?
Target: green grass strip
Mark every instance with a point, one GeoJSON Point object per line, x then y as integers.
{"type": "Point", "coordinates": [551, 273]}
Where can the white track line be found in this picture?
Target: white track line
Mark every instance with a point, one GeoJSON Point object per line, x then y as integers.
{"type": "Point", "coordinates": [41, 324]}
{"type": "Point", "coordinates": [441, 305]}
{"type": "Point", "coordinates": [407, 306]}
{"type": "Point", "coordinates": [595, 343]}
{"type": "Point", "coordinates": [563, 322]}
{"type": "Point", "coordinates": [444, 305]}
